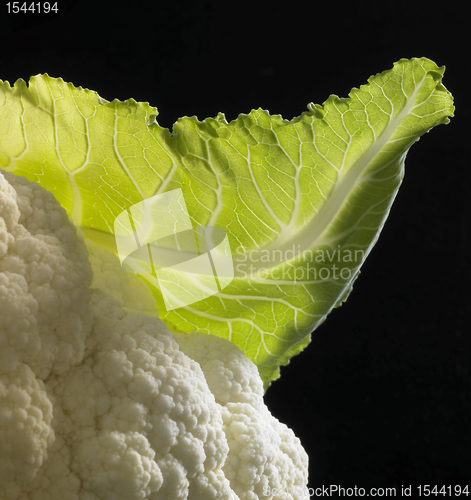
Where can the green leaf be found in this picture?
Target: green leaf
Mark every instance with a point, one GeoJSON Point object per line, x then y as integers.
{"type": "Point", "coordinates": [302, 201]}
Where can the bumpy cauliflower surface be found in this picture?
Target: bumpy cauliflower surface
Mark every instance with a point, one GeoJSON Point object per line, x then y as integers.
{"type": "Point", "coordinates": [101, 401]}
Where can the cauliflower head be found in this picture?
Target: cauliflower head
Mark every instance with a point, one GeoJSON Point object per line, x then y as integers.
{"type": "Point", "coordinates": [99, 400]}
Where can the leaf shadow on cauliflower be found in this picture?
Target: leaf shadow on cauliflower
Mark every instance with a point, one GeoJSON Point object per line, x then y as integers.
{"type": "Point", "coordinates": [99, 400]}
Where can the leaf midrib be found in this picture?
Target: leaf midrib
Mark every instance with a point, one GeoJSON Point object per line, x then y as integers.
{"type": "Point", "coordinates": [311, 235]}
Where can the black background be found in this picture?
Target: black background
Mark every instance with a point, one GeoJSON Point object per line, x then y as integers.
{"type": "Point", "coordinates": [381, 396]}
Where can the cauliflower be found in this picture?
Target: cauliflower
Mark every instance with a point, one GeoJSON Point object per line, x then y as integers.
{"type": "Point", "coordinates": [99, 400]}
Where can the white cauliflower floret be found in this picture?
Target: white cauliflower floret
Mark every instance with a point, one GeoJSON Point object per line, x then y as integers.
{"type": "Point", "coordinates": [138, 412]}
{"type": "Point", "coordinates": [131, 291]}
{"type": "Point", "coordinates": [100, 401]}
{"type": "Point", "coordinates": [264, 454]}
{"type": "Point", "coordinates": [25, 425]}
{"type": "Point", "coordinates": [44, 281]}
